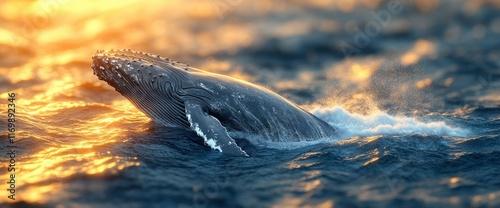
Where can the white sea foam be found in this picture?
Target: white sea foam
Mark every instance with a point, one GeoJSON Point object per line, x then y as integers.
{"type": "Point", "coordinates": [350, 125]}
{"type": "Point", "coordinates": [381, 123]}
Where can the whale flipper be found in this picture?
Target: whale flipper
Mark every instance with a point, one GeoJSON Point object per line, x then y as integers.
{"type": "Point", "coordinates": [211, 130]}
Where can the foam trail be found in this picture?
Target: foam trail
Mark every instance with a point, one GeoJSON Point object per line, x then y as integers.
{"type": "Point", "coordinates": [350, 125]}
{"type": "Point", "coordinates": [381, 123]}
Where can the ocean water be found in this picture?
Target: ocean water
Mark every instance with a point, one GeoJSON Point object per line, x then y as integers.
{"type": "Point", "coordinates": [412, 87]}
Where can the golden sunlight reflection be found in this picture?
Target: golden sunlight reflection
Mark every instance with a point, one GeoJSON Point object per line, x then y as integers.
{"type": "Point", "coordinates": [312, 185]}
{"type": "Point", "coordinates": [454, 180]}
{"type": "Point", "coordinates": [421, 84]}
{"type": "Point", "coordinates": [64, 160]}
{"type": "Point", "coordinates": [374, 157]}
{"type": "Point", "coordinates": [66, 156]}
{"type": "Point", "coordinates": [308, 184]}
{"type": "Point", "coordinates": [71, 123]}
{"type": "Point", "coordinates": [426, 6]}
{"type": "Point", "coordinates": [289, 201]}
{"type": "Point", "coordinates": [356, 71]}
{"type": "Point", "coordinates": [38, 193]}
{"type": "Point", "coordinates": [422, 48]}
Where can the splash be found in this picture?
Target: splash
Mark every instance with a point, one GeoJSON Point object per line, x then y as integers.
{"type": "Point", "coordinates": [381, 123]}
{"type": "Point", "coordinates": [351, 125]}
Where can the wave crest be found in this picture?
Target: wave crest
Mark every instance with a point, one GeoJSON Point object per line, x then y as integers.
{"type": "Point", "coordinates": [381, 123]}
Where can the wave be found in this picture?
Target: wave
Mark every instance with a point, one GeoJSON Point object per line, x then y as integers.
{"type": "Point", "coordinates": [381, 123]}
{"type": "Point", "coordinates": [349, 125]}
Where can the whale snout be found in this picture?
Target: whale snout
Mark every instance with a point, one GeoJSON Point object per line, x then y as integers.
{"type": "Point", "coordinates": [116, 68]}
{"type": "Point", "coordinates": [126, 70]}
{"type": "Point", "coordinates": [103, 61]}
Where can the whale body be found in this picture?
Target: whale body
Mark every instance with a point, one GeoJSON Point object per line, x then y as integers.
{"type": "Point", "coordinates": [177, 95]}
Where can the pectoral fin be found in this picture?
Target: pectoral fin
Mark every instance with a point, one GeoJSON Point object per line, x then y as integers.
{"type": "Point", "coordinates": [211, 130]}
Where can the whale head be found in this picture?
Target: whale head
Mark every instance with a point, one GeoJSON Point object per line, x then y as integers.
{"type": "Point", "coordinates": [127, 70]}
{"type": "Point", "coordinates": [152, 83]}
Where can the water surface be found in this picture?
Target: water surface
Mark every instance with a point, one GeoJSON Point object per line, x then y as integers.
{"type": "Point", "coordinates": [417, 105]}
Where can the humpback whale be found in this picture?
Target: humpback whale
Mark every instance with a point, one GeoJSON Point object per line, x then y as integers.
{"type": "Point", "coordinates": [177, 95]}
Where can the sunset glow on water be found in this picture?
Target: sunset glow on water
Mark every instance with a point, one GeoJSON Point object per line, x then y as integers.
{"type": "Point", "coordinates": [416, 103]}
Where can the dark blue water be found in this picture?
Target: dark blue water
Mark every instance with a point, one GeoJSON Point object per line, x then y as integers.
{"type": "Point", "coordinates": [417, 108]}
